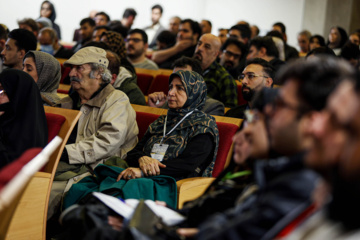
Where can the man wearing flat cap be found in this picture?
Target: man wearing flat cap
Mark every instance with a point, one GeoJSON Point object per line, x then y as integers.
{"type": "Point", "coordinates": [107, 126]}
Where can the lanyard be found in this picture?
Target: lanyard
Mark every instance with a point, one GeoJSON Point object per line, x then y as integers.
{"type": "Point", "coordinates": [236, 175]}
{"type": "Point", "coordinates": [188, 114]}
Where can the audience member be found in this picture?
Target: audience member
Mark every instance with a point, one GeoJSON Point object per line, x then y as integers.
{"type": "Point", "coordinates": [87, 26]}
{"type": "Point", "coordinates": [279, 43]}
{"type": "Point", "coordinates": [19, 42]}
{"type": "Point", "coordinates": [233, 56]}
{"type": "Point", "coordinates": [159, 99]}
{"type": "Point", "coordinates": [48, 11]}
{"type": "Point", "coordinates": [264, 47]}
{"type": "Point", "coordinates": [46, 72]}
{"type": "Point", "coordinates": [351, 53]}
{"type": "Point", "coordinates": [124, 80]}
{"type": "Point", "coordinates": [221, 86]}
{"type": "Point", "coordinates": [337, 39]}
{"type": "Point", "coordinates": [205, 26]}
{"type": "Point", "coordinates": [257, 74]}
{"type": "Point", "coordinates": [254, 31]}
{"type": "Point", "coordinates": [136, 45]}
{"type": "Point", "coordinates": [156, 28]}
{"type": "Point", "coordinates": [223, 35]}
{"type": "Point", "coordinates": [321, 51]}
{"type": "Point", "coordinates": [3, 38]}
{"type": "Point", "coordinates": [316, 41]}
{"type": "Point", "coordinates": [355, 38]}
{"type": "Point", "coordinates": [303, 39]}
{"type": "Point", "coordinates": [49, 43]}
{"type": "Point", "coordinates": [22, 117]}
{"type": "Point", "coordinates": [241, 32]}
{"type": "Point", "coordinates": [165, 40]}
{"type": "Point", "coordinates": [43, 22]}
{"type": "Point", "coordinates": [116, 26]}
{"type": "Point", "coordinates": [106, 128]}
{"type": "Point", "coordinates": [290, 52]}
{"type": "Point", "coordinates": [101, 19]}
{"type": "Point", "coordinates": [128, 18]}
{"type": "Point", "coordinates": [186, 41]}
{"type": "Point", "coordinates": [174, 24]}
{"type": "Point", "coordinates": [98, 31]}
{"type": "Point", "coordinates": [30, 25]}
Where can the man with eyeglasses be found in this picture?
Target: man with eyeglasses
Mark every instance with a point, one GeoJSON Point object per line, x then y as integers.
{"type": "Point", "coordinates": [232, 58]}
{"type": "Point", "coordinates": [257, 74]}
{"type": "Point", "coordinates": [136, 45]}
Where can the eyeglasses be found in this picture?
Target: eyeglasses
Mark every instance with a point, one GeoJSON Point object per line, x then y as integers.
{"type": "Point", "coordinates": [231, 54]}
{"type": "Point", "coordinates": [250, 76]}
{"type": "Point", "coordinates": [136, 40]}
{"type": "Point", "coordinates": [2, 92]}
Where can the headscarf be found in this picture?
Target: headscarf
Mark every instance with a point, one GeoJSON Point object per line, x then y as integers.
{"type": "Point", "coordinates": [117, 45]}
{"type": "Point", "coordinates": [49, 73]}
{"type": "Point", "coordinates": [23, 125]}
{"type": "Point", "coordinates": [196, 123]}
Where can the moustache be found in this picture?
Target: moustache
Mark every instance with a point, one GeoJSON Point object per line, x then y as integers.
{"type": "Point", "coordinates": [198, 56]}
{"type": "Point", "coordinates": [130, 47]}
{"type": "Point", "coordinates": [229, 64]}
{"type": "Point", "coordinates": [75, 79]}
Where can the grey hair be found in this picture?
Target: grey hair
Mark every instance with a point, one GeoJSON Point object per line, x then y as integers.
{"type": "Point", "coordinates": [104, 72]}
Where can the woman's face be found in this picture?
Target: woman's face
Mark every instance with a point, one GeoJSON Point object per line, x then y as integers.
{"type": "Point", "coordinates": [177, 94]}
{"type": "Point", "coordinates": [45, 10]}
{"type": "Point", "coordinates": [314, 43]}
{"type": "Point", "coordinates": [334, 36]}
{"type": "Point", "coordinates": [3, 97]}
{"type": "Point", "coordinates": [30, 68]}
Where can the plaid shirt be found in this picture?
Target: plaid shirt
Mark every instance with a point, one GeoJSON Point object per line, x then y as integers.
{"type": "Point", "coordinates": [220, 85]}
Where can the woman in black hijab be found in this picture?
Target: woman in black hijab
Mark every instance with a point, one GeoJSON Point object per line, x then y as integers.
{"type": "Point", "coordinates": [22, 117]}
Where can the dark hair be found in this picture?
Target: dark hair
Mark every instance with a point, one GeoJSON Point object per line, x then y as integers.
{"type": "Point", "coordinates": [321, 51]}
{"type": "Point", "coordinates": [52, 33]}
{"type": "Point", "coordinates": [237, 43]}
{"type": "Point", "coordinates": [101, 45]}
{"type": "Point", "coordinates": [116, 26]}
{"type": "Point", "coordinates": [88, 20]}
{"type": "Point", "coordinates": [107, 28]}
{"type": "Point", "coordinates": [319, 38]}
{"type": "Point", "coordinates": [167, 37]}
{"type": "Point", "coordinates": [317, 78]}
{"type": "Point", "coordinates": [350, 51]}
{"type": "Point", "coordinates": [30, 22]}
{"type": "Point", "coordinates": [52, 16]}
{"type": "Point", "coordinates": [129, 12]}
{"type": "Point", "coordinates": [267, 67]}
{"type": "Point", "coordinates": [274, 33]}
{"type": "Point", "coordinates": [3, 33]}
{"type": "Point", "coordinates": [140, 31]}
{"type": "Point", "coordinates": [343, 35]}
{"type": "Point", "coordinates": [24, 39]}
{"type": "Point", "coordinates": [245, 31]}
{"type": "Point", "coordinates": [186, 61]}
{"type": "Point", "coordinates": [267, 43]}
{"type": "Point", "coordinates": [104, 14]}
{"type": "Point", "coordinates": [257, 29]}
{"type": "Point", "coordinates": [281, 25]}
{"type": "Point", "coordinates": [195, 26]}
{"type": "Point", "coordinates": [114, 62]}
{"type": "Point", "coordinates": [208, 22]}
{"type": "Point", "coordinates": [158, 7]}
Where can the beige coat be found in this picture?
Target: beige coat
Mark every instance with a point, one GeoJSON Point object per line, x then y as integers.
{"type": "Point", "coordinates": [107, 127]}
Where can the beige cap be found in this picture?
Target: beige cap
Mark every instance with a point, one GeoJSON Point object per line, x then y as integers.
{"type": "Point", "coordinates": [88, 55]}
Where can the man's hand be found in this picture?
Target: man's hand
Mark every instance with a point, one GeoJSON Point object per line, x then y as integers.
{"type": "Point", "coordinates": [129, 173]}
{"type": "Point", "coordinates": [150, 166]}
{"type": "Point", "coordinates": [156, 97]}
{"type": "Point", "coordinates": [187, 232]}
{"type": "Point", "coordinates": [183, 44]}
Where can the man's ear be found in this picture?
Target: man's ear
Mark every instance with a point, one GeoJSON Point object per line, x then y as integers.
{"type": "Point", "coordinates": [262, 51]}
{"type": "Point", "coordinates": [22, 54]}
{"type": "Point", "coordinates": [113, 78]}
{"type": "Point", "coordinates": [269, 81]}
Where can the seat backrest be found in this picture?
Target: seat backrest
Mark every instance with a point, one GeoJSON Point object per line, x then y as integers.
{"type": "Point", "coordinates": [159, 84]}
{"type": "Point", "coordinates": [144, 120]}
{"type": "Point", "coordinates": [241, 100]}
{"type": "Point", "coordinates": [226, 132]}
{"type": "Point", "coordinates": [64, 72]}
{"type": "Point", "coordinates": [54, 123]}
{"type": "Point", "coordinates": [144, 81]}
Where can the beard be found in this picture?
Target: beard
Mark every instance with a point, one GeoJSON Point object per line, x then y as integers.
{"type": "Point", "coordinates": [198, 56]}
{"type": "Point", "coordinates": [247, 95]}
{"type": "Point", "coordinates": [228, 65]}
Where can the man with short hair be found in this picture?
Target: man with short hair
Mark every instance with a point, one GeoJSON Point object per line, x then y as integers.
{"type": "Point", "coordinates": [87, 26]}
{"type": "Point", "coordinates": [156, 28]}
{"type": "Point", "coordinates": [304, 42]}
{"type": "Point", "coordinates": [49, 43]}
{"type": "Point", "coordinates": [101, 19]}
{"type": "Point", "coordinates": [187, 38]}
{"type": "Point", "coordinates": [30, 25]}
{"type": "Point", "coordinates": [241, 32]}
{"type": "Point", "coordinates": [257, 74]}
{"type": "Point", "coordinates": [124, 80]}
{"type": "Point", "coordinates": [3, 37]}
{"type": "Point", "coordinates": [159, 99]}
{"type": "Point", "coordinates": [232, 56]}
{"type": "Point", "coordinates": [221, 86]}
{"type": "Point", "coordinates": [106, 128]}
{"type": "Point", "coordinates": [98, 31]}
{"type": "Point", "coordinates": [128, 18]}
{"type": "Point", "coordinates": [205, 26]}
{"type": "Point", "coordinates": [174, 24]}
{"type": "Point", "coordinates": [223, 35]}
{"type": "Point", "coordinates": [19, 42]}
{"type": "Point", "coordinates": [136, 45]}
{"type": "Point", "coordinates": [290, 52]}
{"type": "Point", "coordinates": [265, 48]}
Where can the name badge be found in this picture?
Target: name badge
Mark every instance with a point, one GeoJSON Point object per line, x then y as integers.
{"type": "Point", "coordinates": [158, 151]}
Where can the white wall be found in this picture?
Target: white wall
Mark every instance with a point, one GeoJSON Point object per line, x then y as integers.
{"type": "Point", "coordinates": [222, 13]}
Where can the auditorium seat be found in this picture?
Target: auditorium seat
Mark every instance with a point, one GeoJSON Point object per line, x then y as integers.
{"type": "Point", "coordinates": [144, 81]}
{"type": "Point", "coordinates": [159, 84]}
